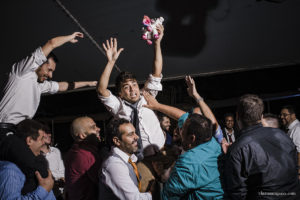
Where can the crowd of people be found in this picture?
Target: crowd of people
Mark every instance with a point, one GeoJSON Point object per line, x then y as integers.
{"type": "Point", "coordinates": [141, 157]}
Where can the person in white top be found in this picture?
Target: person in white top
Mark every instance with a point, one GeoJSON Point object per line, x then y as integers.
{"type": "Point", "coordinates": [119, 178]}
{"type": "Point", "coordinates": [130, 102]}
{"type": "Point", "coordinates": [289, 120]}
{"type": "Point", "coordinates": [28, 80]}
{"type": "Point", "coordinates": [53, 156]}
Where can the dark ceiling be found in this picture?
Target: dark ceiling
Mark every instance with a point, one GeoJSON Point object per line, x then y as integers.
{"type": "Point", "coordinates": [202, 36]}
{"type": "Point", "coordinates": [232, 46]}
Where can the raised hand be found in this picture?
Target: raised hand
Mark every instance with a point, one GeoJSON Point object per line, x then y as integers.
{"type": "Point", "coordinates": [111, 49]}
{"type": "Point", "coordinates": [74, 36]}
{"type": "Point", "coordinates": [160, 29]}
{"type": "Point", "coordinates": [191, 89]}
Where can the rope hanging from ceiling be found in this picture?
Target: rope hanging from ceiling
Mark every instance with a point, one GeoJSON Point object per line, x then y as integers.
{"type": "Point", "coordinates": [84, 30]}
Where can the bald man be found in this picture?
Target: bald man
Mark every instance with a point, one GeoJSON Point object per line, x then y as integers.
{"type": "Point", "coordinates": [83, 160]}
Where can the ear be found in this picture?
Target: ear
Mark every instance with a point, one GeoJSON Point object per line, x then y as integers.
{"type": "Point", "coordinates": [82, 135]}
{"type": "Point", "coordinates": [28, 140]}
{"type": "Point", "coordinates": [192, 138]}
{"type": "Point", "coordinates": [116, 141]}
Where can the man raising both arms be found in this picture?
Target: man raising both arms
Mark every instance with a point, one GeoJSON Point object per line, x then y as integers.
{"type": "Point", "coordinates": [129, 103]}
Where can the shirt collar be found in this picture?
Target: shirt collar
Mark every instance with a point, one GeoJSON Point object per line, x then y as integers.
{"type": "Point", "coordinates": [227, 132]}
{"type": "Point", "coordinates": [296, 121]}
{"type": "Point", "coordinates": [123, 155]}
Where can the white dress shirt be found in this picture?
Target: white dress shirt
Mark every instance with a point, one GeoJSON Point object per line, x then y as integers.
{"type": "Point", "coordinates": [22, 92]}
{"type": "Point", "coordinates": [294, 133]}
{"type": "Point", "coordinates": [228, 134]}
{"type": "Point", "coordinates": [118, 174]}
{"type": "Point", "coordinates": [150, 130]}
{"type": "Point", "coordinates": [56, 164]}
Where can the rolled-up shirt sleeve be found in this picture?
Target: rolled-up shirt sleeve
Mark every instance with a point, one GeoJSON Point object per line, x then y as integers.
{"type": "Point", "coordinates": [49, 87]}
{"type": "Point", "coordinates": [112, 103]}
{"type": "Point", "coordinates": [153, 85]}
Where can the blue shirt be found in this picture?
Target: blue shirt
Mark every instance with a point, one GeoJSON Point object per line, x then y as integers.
{"type": "Point", "coordinates": [12, 181]}
{"type": "Point", "coordinates": [195, 174]}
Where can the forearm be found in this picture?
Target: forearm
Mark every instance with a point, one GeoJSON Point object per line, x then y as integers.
{"type": "Point", "coordinates": [207, 111]}
{"type": "Point", "coordinates": [54, 43]}
{"type": "Point", "coordinates": [170, 111]}
{"type": "Point", "coordinates": [104, 79]}
{"type": "Point", "coordinates": [158, 60]}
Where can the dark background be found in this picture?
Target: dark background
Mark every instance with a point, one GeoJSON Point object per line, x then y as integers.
{"type": "Point", "coordinates": [231, 47]}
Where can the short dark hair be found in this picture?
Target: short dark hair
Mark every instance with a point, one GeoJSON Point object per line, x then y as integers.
{"type": "Point", "coordinates": [290, 108]}
{"type": "Point", "coordinates": [53, 56]}
{"type": "Point", "coordinates": [29, 128]}
{"type": "Point", "coordinates": [200, 126]}
{"type": "Point", "coordinates": [250, 109]}
{"type": "Point", "coordinates": [122, 77]}
{"type": "Point", "coordinates": [114, 131]}
{"type": "Point", "coordinates": [46, 128]}
{"type": "Point", "coordinates": [161, 116]}
{"type": "Point", "coordinates": [228, 115]}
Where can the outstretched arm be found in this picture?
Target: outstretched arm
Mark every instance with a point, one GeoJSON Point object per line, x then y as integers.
{"type": "Point", "coordinates": [112, 54]}
{"type": "Point", "coordinates": [158, 61]}
{"type": "Point", "coordinates": [63, 86]}
{"type": "Point", "coordinates": [58, 41]}
{"type": "Point", "coordinates": [153, 104]}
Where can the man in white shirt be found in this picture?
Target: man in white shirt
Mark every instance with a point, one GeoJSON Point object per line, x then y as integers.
{"type": "Point", "coordinates": [119, 178]}
{"type": "Point", "coordinates": [289, 120]}
{"type": "Point", "coordinates": [28, 80]}
{"type": "Point", "coordinates": [228, 130]}
{"type": "Point", "coordinates": [130, 103]}
{"type": "Point", "coordinates": [53, 156]}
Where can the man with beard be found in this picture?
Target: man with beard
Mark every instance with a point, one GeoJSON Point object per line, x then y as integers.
{"type": "Point", "coordinates": [119, 177]}
{"type": "Point", "coordinates": [83, 161]}
{"type": "Point", "coordinates": [290, 121]}
{"type": "Point", "coordinates": [28, 80]}
{"type": "Point", "coordinates": [165, 125]}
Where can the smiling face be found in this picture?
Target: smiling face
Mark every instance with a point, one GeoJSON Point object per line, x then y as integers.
{"type": "Point", "coordinates": [36, 145]}
{"type": "Point", "coordinates": [90, 127]}
{"type": "Point", "coordinates": [229, 122]}
{"type": "Point", "coordinates": [286, 117]}
{"type": "Point", "coordinates": [165, 124]}
{"type": "Point", "coordinates": [128, 141]}
{"type": "Point", "coordinates": [45, 71]}
{"type": "Point", "coordinates": [130, 90]}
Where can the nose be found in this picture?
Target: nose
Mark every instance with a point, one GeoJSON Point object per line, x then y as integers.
{"type": "Point", "coordinates": [136, 136]}
{"type": "Point", "coordinates": [50, 74]}
{"type": "Point", "coordinates": [98, 129]}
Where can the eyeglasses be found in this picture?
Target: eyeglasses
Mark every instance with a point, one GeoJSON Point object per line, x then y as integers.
{"type": "Point", "coordinates": [284, 114]}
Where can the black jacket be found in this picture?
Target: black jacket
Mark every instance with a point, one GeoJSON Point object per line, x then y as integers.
{"type": "Point", "coordinates": [261, 164]}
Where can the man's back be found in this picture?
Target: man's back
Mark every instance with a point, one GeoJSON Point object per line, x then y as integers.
{"type": "Point", "coordinates": [195, 174]}
{"type": "Point", "coordinates": [261, 162]}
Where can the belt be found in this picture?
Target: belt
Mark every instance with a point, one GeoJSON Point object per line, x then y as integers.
{"type": "Point", "coordinates": [7, 127]}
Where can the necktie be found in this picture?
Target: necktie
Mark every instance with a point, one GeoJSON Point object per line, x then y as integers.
{"type": "Point", "coordinates": [230, 138]}
{"type": "Point", "coordinates": [136, 173]}
{"type": "Point", "coordinates": [135, 121]}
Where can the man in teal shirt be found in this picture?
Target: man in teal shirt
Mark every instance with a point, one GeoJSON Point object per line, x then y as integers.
{"type": "Point", "coordinates": [195, 174]}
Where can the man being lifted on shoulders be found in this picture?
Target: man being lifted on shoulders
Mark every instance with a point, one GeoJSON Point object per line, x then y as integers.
{"type": "Point", "coordinates": [129, 102]}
